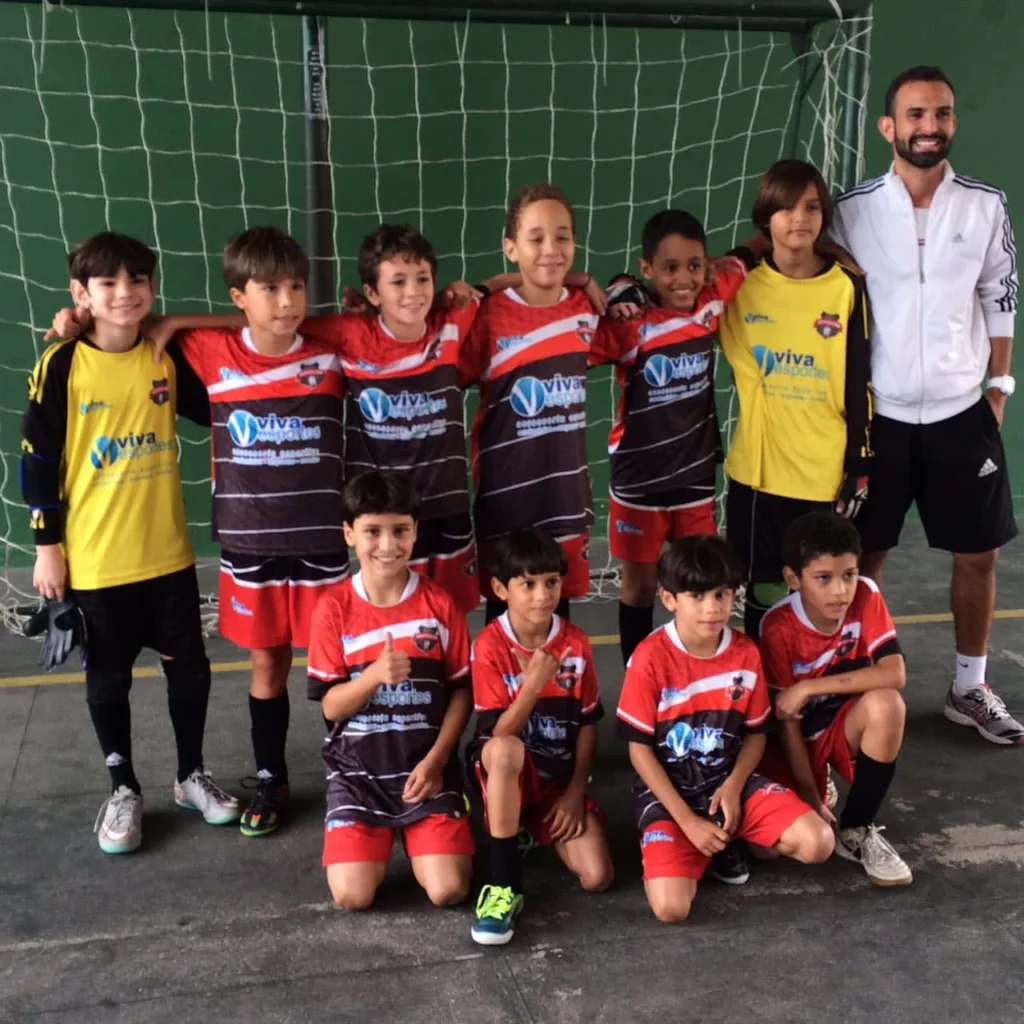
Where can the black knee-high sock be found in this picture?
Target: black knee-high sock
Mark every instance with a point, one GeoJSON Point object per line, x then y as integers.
{"type": "Point", "coordinates": [634, 625]}
{"type": "Point", "coordinates": [270, 734]}
{"type": "Point", "coordinates": [871, 781]}
{"type": "Point", "coordinates": [506, 863]}
{"type": "Point", "coordinates": [188, 694]}
{"type": "Point", "coordinates": [562, 609]}
{"type": "Point", "coordinates": [113, 724]}
{"type": "Point", "coordinates": [494, 609]}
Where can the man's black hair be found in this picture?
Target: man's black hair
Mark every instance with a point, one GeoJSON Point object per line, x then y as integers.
{"type": "Point", "coordinates": [815, 534]}
{"type": "Point", "coordinates": [695, 565]}
{"type": "Point", "coordinates": [922, 73]}
{"type": "Point", "coordinates": [670, 222]}
{"type": "Point", "coordinates": [529, 552]}
{"type": "Point", "coordinates": [103, 255]}
{"type": "Point", "coordinates": [379, 494]}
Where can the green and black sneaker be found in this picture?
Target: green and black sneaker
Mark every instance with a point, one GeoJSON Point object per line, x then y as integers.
{"type": "Point", "coordinates": [496, 913]}
{"type": "Point", "coordinates": [263, 814]}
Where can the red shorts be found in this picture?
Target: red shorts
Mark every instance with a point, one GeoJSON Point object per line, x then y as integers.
{"type": "Point", "coordinates": [828, 748]}
{"type": "Point", "coordinates": [537, 796]}
{"type": "Point", "coordinates": [767, 812]}
{"type": "Point", "coordinates": [351, 841]}
{"type": "Point", "coordinates": [637, 534]}
{"type": "Point", "coordinates": [576, 582]}
{"type": "Point", "coordinates": [268, 602]}
{"type": "Point", "coordinates": [446, 553]}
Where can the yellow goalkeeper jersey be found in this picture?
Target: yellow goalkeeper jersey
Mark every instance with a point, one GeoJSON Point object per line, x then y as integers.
{"type": "Point", "coordinates": [801, 360]}
{"type": "Point", "coordinates": [108, 419]}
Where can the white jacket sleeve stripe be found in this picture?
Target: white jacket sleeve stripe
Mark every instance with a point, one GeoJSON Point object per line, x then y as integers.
{"type": "Point", "coordinates": [998, 285]}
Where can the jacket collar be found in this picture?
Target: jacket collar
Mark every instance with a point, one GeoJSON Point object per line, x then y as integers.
{"type": "Point", "coordinates": [894, 183]}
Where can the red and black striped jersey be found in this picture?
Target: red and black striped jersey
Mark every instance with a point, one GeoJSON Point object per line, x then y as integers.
{"type": "Point", "coordinates": [370, 755]}
{"type": "Point", "coordinates": [694, 712]}
{"type": "Point", "coordinates": [665, 434]}
{"type": "Point", "coordinates": [569, 702]}
{"type": "Point", "coordinates": [276, 441]}
{"type": "Point", "coordinates": [793, 650]}
{"type": "Point", "coordinates": [403, 403]}
{"type": "Point", "coordinates": [529, 436]}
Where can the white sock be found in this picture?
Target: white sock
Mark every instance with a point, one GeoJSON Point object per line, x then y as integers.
{"type": "Point", "coordinates": [970, 673]}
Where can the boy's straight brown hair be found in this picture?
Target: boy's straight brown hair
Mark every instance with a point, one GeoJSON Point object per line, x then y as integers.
{"type": "Point", "coordinates": [263, 254]}
{"type": "Point", "coordinates": [534, 194]}
{"type": "Point", "coordinates": [781, 188]}
{"type": "Point", "coordinates": [104, 254]}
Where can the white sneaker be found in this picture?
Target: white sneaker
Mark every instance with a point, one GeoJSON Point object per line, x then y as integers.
{"type": "Point", "coordinates": [200, 793]}
{"type": "Point", "coordinates": [982, 709]}
{"type": "Point", "coordinates": [119, 822]}
{"type": "Point", "coordinates": [867, 847]}
{"type": "Point", "coordinates": [831, 793]}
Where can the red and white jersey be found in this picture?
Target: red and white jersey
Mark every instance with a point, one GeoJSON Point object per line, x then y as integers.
{"type": "Point", "coordinates": [403, 403]}
{"type": "Point", "coordinates": [694, 712]}
{"type": "Point", "coordinates": [567, 703]}
{"type": "Point", "coordinates": [665, 436]}
{"type": "Point", "coordinates": [370, 755]}
{"type": "Point", "coordinates": [276, 440]}
{"type": "Point", "coordinates": [529, 436]}
{"type": "Point", "coordinates": [793, 650]}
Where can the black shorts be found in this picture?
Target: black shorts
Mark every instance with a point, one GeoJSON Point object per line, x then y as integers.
{"type": "Point", "coordinates": [755, 523]}
{"type": "Point", "coordinates": [161, 613]}
{"type": "Point", "coordinates": [954, 469]}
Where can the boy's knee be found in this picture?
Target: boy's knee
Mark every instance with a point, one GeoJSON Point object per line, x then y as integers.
{"type": "Point", "coordinates": [597, 877]}
{"type": "Point", "coordinates": [352, 897]}
{"type": "Point", "coordinates": [884, 708]}
{"type": "Point", "coordinates": [504, 755]}
{"type": "Point", "coordinates": [671, 911]}
{"type": "Point", "coordinates": [816, 842]}
{"type": "Point", "coordinates": [448, 892]}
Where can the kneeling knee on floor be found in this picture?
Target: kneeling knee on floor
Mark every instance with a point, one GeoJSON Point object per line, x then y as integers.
{"type": "Point", "coordinates": [448, 893]}
{"type": "Point", "coordinates": [671, 911]}
{"type": "Point", "coordinates": [352, 897]}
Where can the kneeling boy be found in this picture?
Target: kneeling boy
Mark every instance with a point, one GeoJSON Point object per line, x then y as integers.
{"type": "Point", "coordinates": [694, 707]}
{"type": "Point", "coordinates": [537, 704]}
{"type": "Point", "coordinates": [835, 668]}
{"type": "Point", "coordinates": [389, 662]}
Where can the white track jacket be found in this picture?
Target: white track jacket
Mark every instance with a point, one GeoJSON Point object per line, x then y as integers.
{"type": "Point", "coordinates": [931, 318]}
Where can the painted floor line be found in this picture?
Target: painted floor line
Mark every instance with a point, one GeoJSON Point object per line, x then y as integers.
{"type": "Point", "coordinates": [602, 640]}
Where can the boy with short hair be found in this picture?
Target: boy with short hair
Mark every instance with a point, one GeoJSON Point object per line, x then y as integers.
{"type": "Point", "coordinates": [389, 662]}
{"type": "Point", "coordinates": [835, 669]}
{"type": "Point", "coordinates": [694, 707]}
{"type": "Point", "coordinates": [537, 703]}
{"type": "Point", "coordinates": [100, 478]}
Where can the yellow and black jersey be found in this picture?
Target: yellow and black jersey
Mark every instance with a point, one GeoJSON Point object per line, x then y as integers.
{"type": "Point", "coordinates": [801, 359]}
{"type": "Point", "coordinates": [100, 460]}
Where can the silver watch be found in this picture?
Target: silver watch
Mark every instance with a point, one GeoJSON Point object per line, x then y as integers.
{"type": "Point", "coordinates": [1006, 384]}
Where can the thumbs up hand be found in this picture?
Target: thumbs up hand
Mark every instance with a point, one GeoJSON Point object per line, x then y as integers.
{"type": "Point", "coordinates": [392, 666]}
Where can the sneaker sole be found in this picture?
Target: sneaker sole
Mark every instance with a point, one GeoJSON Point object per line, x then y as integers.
{"type": "Point", "coordinates": [186, 806]}
{"type": "Point", "coordinates": [738, 880]}
{"type": "Point", "coordinates": [885, 883]}
{"type": "Point", "coordinates": [961, 719]}
{"type": "Point", "coordinates": [256, 833]}
{"type": "Point", "coordinates": [491, 938]}
{"type": "Point", "coordinates": [118, 848]}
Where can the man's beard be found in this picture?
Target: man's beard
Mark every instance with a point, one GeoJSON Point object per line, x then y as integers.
{"type": "Point", "coordinates": [920, 157]}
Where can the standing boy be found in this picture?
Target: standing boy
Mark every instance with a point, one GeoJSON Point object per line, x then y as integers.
{"type": "Point", "coordinates": [100, 477]}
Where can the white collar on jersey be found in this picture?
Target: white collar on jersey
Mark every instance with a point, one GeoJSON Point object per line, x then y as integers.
{"type": "Point", "coordinates": [516, 297]}
{"type": "Point", "coordinates": [801, 613]}
{"type": "Point", "coordinates": [248, 342]}
{"type": "Point", "coordinates": [410, 588]}
{"type": "Point", "coordinates": [723, 644]}
{"type": "Point", "coordinates": [391, 334]}
{"type": "Point", "coordinates": [506, 625]}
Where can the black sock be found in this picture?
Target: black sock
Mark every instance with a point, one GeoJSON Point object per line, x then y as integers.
{"type": "Point", "coordinates": [495, 608]}
{"type": "Point", "coordinates": [506, 863]}
{"type": "Point", "coordinates": [562, 609]}
{"type": "Point", "coordinates": [634, 625]}
{"type": "Point", "coordinates": [871, 781]}
{"type": "Point", "coordinates": [113, 725]}
{"type": "Point", "coordinates": [187, 708]}
{"type": "Point", "coordinates": [270, 734]}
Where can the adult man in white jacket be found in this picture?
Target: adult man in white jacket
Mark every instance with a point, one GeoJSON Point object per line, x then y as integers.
{"type": "Point", "coordinates": [938, 252]}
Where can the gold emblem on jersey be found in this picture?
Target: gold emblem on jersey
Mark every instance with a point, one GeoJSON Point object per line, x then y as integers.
{"type": "Point", "coordinates": [828, 325]}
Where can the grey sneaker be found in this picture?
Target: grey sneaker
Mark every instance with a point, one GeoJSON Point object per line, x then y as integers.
{"type": "Point", "coordinates": [868, 847]}
{"type": "Point", "coordinates": [986, 712]}
{"type": "Point", "coordinates": [119, 822]}
{"type": "Point", "coordinates": [200, 793]}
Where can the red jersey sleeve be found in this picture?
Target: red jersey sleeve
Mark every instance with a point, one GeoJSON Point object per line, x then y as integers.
{"type": "Point", "coordinates": [879, 630]}
{"type": "Point", "coordinates": [342, 331]}
{"type": "Point", "coordinates": [759, 709]}
{"type": "Point", "coordinates": [326, 664]}
{"type": "Point", "coordinates": [775, 652]}
{"type": "Point", "coordinates": [473, 351]}
{"type": "Point", "coordinates": [490, 694]}
{"type": "Point", "coordinates": [203, 350]}
{"type": "Point", "coordinates": [591, 708]}
{"type": "Point", "coordinates": [638, 703]}
{"type": "Point", "coordinates": [456, 653]}
{"type": "Point", "coordinates": [464, 318]}
{"type": "Point", "coordinates": [613, 340]}
{"type": "Point", "coordinates": [730, 273]}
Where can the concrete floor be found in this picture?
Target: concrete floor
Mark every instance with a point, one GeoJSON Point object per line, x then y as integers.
{"type": "Point", "coordinates": [203, 925]}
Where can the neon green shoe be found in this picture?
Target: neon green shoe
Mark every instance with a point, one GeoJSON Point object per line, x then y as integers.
{"type": "Point", "coordinates": [496, 912]}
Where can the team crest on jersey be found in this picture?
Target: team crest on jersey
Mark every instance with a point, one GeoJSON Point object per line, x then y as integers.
{"type": "Point", "coordinates": [565, 677]}
{"type": "Point", "coordinates": [470, 567]}
{"type": "Point", "coordinates": [737, 689]}
{"type": "Point", "coordinates": [585, 331]}
{"type": "Point", "coordinates": [847, 642]}
{"type": "Point", "coordinates": [828, 325]}
{"type": "Point", "coordinates": [585, 550]}
{"type": "Point", "coordinates": [707, 318]}
{"type": "Point", "coordinates": [310, 375]}
{"type": "Point", "coordinates": [433, 350]}
{"type": "Point", "coordinates": [427, 638]}
{"type": "Point", "coordinates": [160, 393]}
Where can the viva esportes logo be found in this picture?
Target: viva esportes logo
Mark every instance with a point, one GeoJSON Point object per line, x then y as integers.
{"type": "Point", "coordinates": [660, 370]}
{"type": "Point", "coordinates": [530, 396]}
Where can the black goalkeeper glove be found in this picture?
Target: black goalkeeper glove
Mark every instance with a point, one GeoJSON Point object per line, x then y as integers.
{"type": "Point", "coordinates": [64, 626]}
{"type": "Point", "coordinates": [853, 492]}
{"type": "Point", "coordinates": [624, 288]}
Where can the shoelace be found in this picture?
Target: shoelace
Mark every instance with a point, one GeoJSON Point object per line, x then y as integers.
{"type": "Point", "coordinates": [263, 787]}
{"type": "Point", "coordinates": [994, 704]}
{"type": "Point", "coordinates": [210, 788]}
{"type": "Point", "coordinates": [122, 805]}
{"type": "Point", "coordinates": [877, 846]}
{"type": "Point", "coordinates": [495, 902]}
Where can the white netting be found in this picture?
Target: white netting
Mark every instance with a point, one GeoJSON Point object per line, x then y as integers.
{"type": "Point", "coordinates": [182, 128]}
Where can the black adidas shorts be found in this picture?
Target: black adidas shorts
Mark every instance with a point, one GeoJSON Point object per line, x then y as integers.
{"type": "Point", "coordinates": [955, 470]}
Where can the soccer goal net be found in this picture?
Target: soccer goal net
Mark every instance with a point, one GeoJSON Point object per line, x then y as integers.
{"type": "Point", "coordinates": [183, 126]}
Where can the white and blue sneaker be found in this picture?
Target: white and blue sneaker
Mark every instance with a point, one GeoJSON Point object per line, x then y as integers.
{"type": "Point", "coordinates": [200, 793]}
{"type": "Point", "coordinates": [119, 823]}
{"type": "Point", "coordinates": [496, 911]}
